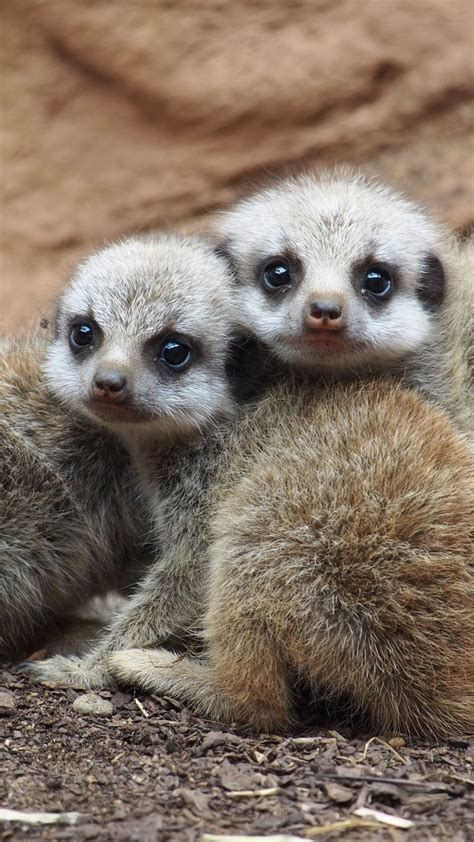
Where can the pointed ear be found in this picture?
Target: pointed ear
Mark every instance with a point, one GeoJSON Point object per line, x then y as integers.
{"type": "Point", "coordinates": [432, 282]}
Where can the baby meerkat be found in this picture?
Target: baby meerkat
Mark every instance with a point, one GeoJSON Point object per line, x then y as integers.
{"type": "Point", "coordinates": [339, 273]}
{"type": "Point", "coordinates": [140, 351]}
{"type": "Point", "coordinates": [344, 560]}
{"type": "Point", "coordinates": [343, 277]}
{"type": "Point", "coordinates": [381, 262]}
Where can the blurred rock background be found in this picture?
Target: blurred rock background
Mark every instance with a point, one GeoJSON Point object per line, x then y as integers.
{"type": "Point", "coordinates": [124, 115]}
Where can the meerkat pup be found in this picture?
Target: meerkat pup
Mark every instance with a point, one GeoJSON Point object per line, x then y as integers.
{"type": "Point", "coordinates": [140, 352]}
{"type": "Point", "coordinates": [343, 277]}
{"type": "Point", "coordinates": [341, 547]}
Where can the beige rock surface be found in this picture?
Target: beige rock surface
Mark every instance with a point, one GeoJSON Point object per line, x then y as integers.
{"type": "Point", "coordinates": [123, 115]}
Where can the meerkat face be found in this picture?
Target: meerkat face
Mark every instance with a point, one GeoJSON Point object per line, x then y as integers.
{"type": "Point", "coordinates": [339, 274]}
{"type": "Point", "coordinates": [142, 336]}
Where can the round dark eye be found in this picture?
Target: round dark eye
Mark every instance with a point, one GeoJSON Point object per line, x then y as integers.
{"type": "Point", "coordinates": [378, 282]}
{"type": "Point", "coordinates": [176, 354]}
{"type": "Point", "coordinates": [81, 336]}
{"type": "Point", "coordinates": [276, 275]}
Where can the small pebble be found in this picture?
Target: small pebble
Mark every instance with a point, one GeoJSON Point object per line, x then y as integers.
{"type": "Point", "coordinates": [339, 794]}
{"type": "Point", "coordinates": [90, 704]}
{"type": "Point", "coordinates": [7, 703]}
{"type": "Point", "coordinates": [397, 742]}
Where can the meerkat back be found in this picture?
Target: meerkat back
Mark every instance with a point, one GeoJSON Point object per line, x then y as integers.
{"type": "Point", "coordinates": [346, 558]}
{"type": "Point", "coordinates": [341, 554]}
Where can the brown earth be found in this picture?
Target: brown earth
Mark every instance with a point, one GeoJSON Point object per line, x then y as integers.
{"type": "Point", "coordinates": [121, 116]}
{"type": "Point", "coordinates": [152, 772]}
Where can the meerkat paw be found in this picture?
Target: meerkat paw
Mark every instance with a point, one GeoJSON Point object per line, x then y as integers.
{"type": "Point", "coordinates": [82, 672]}
{"type": "Point", "coordinates": [149, 669]}
{"type": "Point", "coordinates": [166, 673]}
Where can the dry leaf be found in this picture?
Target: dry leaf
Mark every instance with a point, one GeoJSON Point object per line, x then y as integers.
{"type": "Point", "coordinates": [210, 837]}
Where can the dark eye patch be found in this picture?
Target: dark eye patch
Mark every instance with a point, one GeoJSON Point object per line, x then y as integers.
{"type": "Point", "coordinates": [84, 335]}
{"type": "Point", "coordinates": [432, 282]}
{"type": "Point", "coordinates": [375, 280]}
{"type": "Point", "coordinates": [171, 351]}
{"type": "Point", "coordinates": [278, 273]}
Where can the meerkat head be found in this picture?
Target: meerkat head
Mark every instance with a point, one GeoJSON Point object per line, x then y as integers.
{"type": "Point", "coordinates": [338, 273]}
{"type": "Point", "coordinates": [142, 335]}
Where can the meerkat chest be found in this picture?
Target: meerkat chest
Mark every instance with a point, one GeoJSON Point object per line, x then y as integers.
{"type": "Point", "coordinates": [177, 486]}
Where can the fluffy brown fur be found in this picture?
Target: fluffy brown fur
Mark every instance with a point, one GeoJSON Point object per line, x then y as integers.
{"type": "Point", "coordinates": [345, 559]}
{"type": "Point", "coordinates": [71, 524]}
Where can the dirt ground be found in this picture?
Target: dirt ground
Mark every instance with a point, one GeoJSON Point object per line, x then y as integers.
{"type": "Point", "coordinates": [153, 772]}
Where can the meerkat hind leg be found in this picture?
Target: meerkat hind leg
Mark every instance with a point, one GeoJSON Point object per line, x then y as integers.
{"type": "Point", "coordinates": [249, 666]}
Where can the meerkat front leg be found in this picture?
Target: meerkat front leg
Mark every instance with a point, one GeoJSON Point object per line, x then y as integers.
{"type": "Point", "coordinates": [244, 679]}
{"type": "Point", "coordinates": [166, 603]}
{"type": "Point", "coordinates": [164, 672]}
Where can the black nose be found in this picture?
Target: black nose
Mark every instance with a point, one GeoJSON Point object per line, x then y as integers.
{"type": "Point", "coordinates": [110, 381]}
{"type": "Point", "coordinates": [326, 310]}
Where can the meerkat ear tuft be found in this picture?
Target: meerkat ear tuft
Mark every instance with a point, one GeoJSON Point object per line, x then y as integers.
{"type": "Point", "coordinates": [432, 282]}
{"type": "Point", "coordinates": [223, 250]}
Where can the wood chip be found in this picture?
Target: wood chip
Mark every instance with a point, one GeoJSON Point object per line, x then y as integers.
{"type": "Point", "coordinates": [280, 837]}
{"type": "Point", "coordinates": [7, 703]}
{"type": "Point", "coordinates": [341, 826]}
{"type": "Point", "coordinates": [219, 738]}
{"type": "Point", "coordinates": [397, 742]}
{"type": "Point", "coordinates": [387, 745]}
{"type": "Point", "coordinates": [255, 793]}
{"type": "Point", "coordinates": [339, 794]}
{"type": "Point", "coordinates": [90, 704]}
{"type": "Point", "coordinates": [384, 818]}
{"type": "Point", "coordinates": [305, 741]}
{"type": "Point", "coordinates": [39, 818]}
{"type": "Point", "coordinates": [194, 798]}
{"type": "Point", "coordinates": [142, 709]}
{"type": "Point", "coordinates": [337, 736]}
